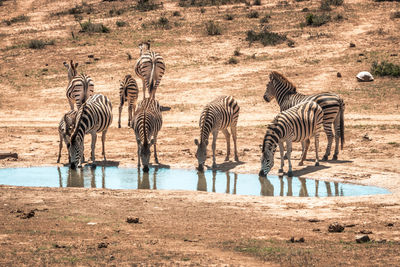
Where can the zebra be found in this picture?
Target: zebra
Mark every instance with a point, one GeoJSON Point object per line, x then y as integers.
{"type": "Point", "coordinates": [94, 116]}
{"type": "Point", "coordinates": [333, 106]}
{"type": "Point", "coordinates": [80, 87]}
{"type": "Point", "coordinates": [65, 129]}
{"type": "Point", "coordinates": [150, 67]}
{"type": "Point", "coordinates": [128, 91]}
{"type": "Point", "coordinates": [296, 124]}
{"type": "Point", "coordinates": [146, 125]}
{"type": "Point", "coordinates": [219, 114]}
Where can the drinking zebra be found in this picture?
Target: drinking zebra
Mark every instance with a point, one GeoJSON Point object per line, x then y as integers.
{"type": "Point", "coordinates": [332, 105]}
{"type": "Point", "coordinates": [80, 87]}
{"type": "Point", "coordinates": [146, 124]}
{"type": "Point", "coordinates": [65, 128]}
{"type": "Point", "coordinates": [128, 91]}
{"type": "Point", "coordinates": [94, 116]}
{"type": "Point", "coordinates": [296, 124]}
{"type": "Point", "coordinates": [150, 67]}
{"type": "Point", "coordinates": [221, 113]}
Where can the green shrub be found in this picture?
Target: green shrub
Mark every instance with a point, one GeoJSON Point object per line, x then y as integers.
{"type": "Point", "coordinates": [385, 69]}
{"type": "Point", "coordinates": [325, 6]}
{"type": "Point", "coordinates": [77, 10]}
{"type": "Point", "coordinates": [233, 60]}
{"type": "Point", "coordinates": [253, 14]}
{"type": "Point", "coordinates": [176, 14]}
{"type": "Point", "coordinates": [120, 23]}
{"type": "Point", "coordinates": [213, 28]}
{"type": "Point", "coordinates": [39, 44]}
{"type": "Point", "coordinates": [317, 20]}
{"type": "Point", "coordinates": [265, 37]}
{"type": "Point", "coordinates": [265, 19]}
{"type": "Point", "coordinates": [116, 12]}
{"type": "Point", "coordinates": [163, 22]}
{"type": "Point", "coordinates": [21, 18]}
{"type": "Point", "coordinates": [229, 17]}
{"type": "Point", "coordinates": [395, 15]}
{"type": "Point", "coordinates": [146, 5]}
{"type": "Point", "coordinates": [90, 27]}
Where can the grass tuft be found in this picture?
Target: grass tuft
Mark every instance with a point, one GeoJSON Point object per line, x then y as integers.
{"type": "Point", "coordinates": [253, 14]}
{"type": "Point", "coordinates": [213, 28]}
{"type": "Point", "coordinates": [39, 44]}
{"type": "Point", "coordinates": [21, 18]}
{"type": "Point", "coordinates": [90, 27]}
{"type": "Point", "coordinates": [233, 60]}
{"type": "Point", "coordinates": [316, 20]}
{"type": "Point", "coordinates": [147, 5]}
{"type": "Point", "coordinates": [229, 16]}
{"type": "Point", "coordinates": [200, 3]}
{"type": "Point", "coordinates": [265, 37]}
{"type": "Point", "coordinates": [120, 23]}
{"type": "Point", "coordinates": [385, 69]}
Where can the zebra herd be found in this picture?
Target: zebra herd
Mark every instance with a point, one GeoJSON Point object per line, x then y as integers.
{"type": "Point", "coordinates": [300, 119]}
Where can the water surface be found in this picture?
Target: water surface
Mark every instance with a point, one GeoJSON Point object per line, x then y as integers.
{"type": "Point", "coordinates": [178, 179]}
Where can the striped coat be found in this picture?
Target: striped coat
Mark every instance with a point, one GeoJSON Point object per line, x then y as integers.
{"type": "Point", "coordinates": [220, 114]}
{"type": "Point", "coordinates": [65, 128]}
{"type": "Point", "coordinates": [94, 116]}
{"type": "Point", "coordinates": [297, 124]}
{"type": "Point", "coordinates": [128, 92]}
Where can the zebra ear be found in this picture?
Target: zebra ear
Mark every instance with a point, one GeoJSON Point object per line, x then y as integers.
{"type": "Point", "coordinates": [65, 64]}
{"type": "Point", "coordinates": [196, 142]}
{"type": "Point", "coordinates": [162, 108]}
{"type": "Point", "coordinates": [152, 142]}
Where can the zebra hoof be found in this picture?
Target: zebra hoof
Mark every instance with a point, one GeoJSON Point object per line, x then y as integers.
{"type": "Point", "coordinates": [227, 159]}
{"type": "Point", "coordinates": [290, 174]}
{"type": "Point", "coordinates": [236, 158]}
{"type": "Point", "coordinates": [261, 173]}
{"type": "Point", "coordinates": [325, 158]}
{"type": "Point", "coordinates": [301, 163]}
{"type": "Point", "coordinates": [280, 170]}
{"type": "Point", "coordinates": [316, 163]}
{"type": "Point", "coordinates": [119, 125]}
{"type": "Point", "coordinates": [334, 157]}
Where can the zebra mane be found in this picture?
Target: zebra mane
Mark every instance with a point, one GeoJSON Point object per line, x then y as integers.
{"type": "Point", "coordinates": [203, 122]}
{"type": "Point", "coordinates": [78, 121]}
{"type": "Point", "coordinates": [291, 88]}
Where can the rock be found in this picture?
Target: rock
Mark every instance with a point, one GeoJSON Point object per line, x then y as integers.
{"type": "Point", "coordinates": [316, 230]}
{"type": "Point", "coordinates": [293, 240]}
{"type": "Point", "coordinates": [365, 232]}
{"type": "Point", "coordinates": [390, 224]}
{"type": "Point", "coordinates": [393, 55]}
{"type": "Point", "coordinates": [367, 138]}
{"type": "Point", "coordinates": [90, 56]}
{"type": "Point", "coordinates": [313, 220]}
{"type": "Point", "coordinates": [8, 155]}
{"type": "Point", "coordinates": [339, 75]}
{"type": "Point", "coordinates": [361, 54]}
{"type": "Point", "coordinates": [335, 228]}
{"type": "Point", "coordinates": [364, 76]}
{"type": "Point", "coordinates": [102, 245]}
{"type": "Point", "coordinates": [362, 239]}
{"type": "Point", "coordinates": [132, 220]}
{"type": "Point", "coordinates": [352, 45]}
{"type": "Point", "coordinates": [350, 225]}
{"type": "Point", "coordinates": [382, 241]}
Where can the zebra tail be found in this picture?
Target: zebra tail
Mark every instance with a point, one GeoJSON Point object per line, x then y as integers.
{"type": "Point", "coordinates": [78, 120]}
{"type": "Point", "coordinates": [341, 123]}
{"type": "Point", "coordinates": [85, 91]}
{"type": "Point", "coordinates": [151, 85]}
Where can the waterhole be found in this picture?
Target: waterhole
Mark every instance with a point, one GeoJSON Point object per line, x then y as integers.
{"type": "Point", "coordinates": [178, 179]}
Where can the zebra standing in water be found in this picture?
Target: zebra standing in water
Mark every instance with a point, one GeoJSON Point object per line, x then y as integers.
{"type": "Point", "coordinates": [80, 87]}
{"type": "Point", "coordinates": [94, 116]}
{"type": "Point", "coordinates": [128, 91]}
{"type": "Point", "coordinates": [219, 114]}
{"type": "Point", "coordinates": [296, 124]}
{"type": "Point", "coordinates": [150, 67]}
{"type": "Point", "coordinates": [332, 105]}
{"type": "Point", "coordinates": [65, 128]}
{"type": "Point", "coordinates": [147, 123]}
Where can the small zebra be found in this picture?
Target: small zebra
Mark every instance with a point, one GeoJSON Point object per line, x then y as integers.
{"type": "Point", "coordinates": [94, 116]}
{"type": "Point", "coordinates": [296, 124]}
{"type": "Point", "coordinates": [80, 87]}
{"type": "Point", "coordinates": [65, 128]}
{"type": "Point", "coordinates": [332, 105]}
{"type": "Point", "coordinates": [150, 67]}
{"type": "Point", "coordinates": [146, 124]}
{"type": "Point", "coordinates": [128, 91]}
{"type": "Point", "coordinates": [221, 113]}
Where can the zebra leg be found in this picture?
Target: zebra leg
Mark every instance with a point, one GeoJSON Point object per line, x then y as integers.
{"type": "Point", "coordinates": [288, 153]}
{"type": "Point", "coordinates": [329, 135]}
{"type": "Point", "coordinates": [103, 142]}
{"type": "Point", "coordinates": [144, 89]}
{"type": "Point", "coordinates": [234, 136]}
{"type": "Point", "coordinates": [60, 148]}
{"type": "Point", "coordinates": [281, 151]}
{"type": "Point", "coordinates": [93, 146]}
{"type": "Point", "coordinates": [138, 156]}
{"type": "Point", "coordinates": [155, 149]}
{"type": "Point", "coordinates": [305, 144]}
{"type": "Point", "coordinates": [316, 149]}
{"type": "Point", "coordinates": [214, 144]}
{"type": "Point", "coordinates": [130, 115]}
{"type": "Point", "coordinates": [120, 111]}
{"type": "Point", "coordinates": [228, 143]}
{"type": "Point", "coordinates": [336, 125]}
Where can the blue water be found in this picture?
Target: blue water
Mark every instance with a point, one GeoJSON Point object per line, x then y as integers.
{"type": "Point", "coordinates": [177, 179]}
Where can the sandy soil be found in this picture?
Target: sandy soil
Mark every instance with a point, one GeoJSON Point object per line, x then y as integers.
{"type": "Point", "coordinates": [88, 226]}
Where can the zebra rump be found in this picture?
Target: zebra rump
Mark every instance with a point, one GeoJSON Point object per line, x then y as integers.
{"type": "Point", "coordinates": [150, 67]}
{"type": "Point", "coordinates": [128, 91]}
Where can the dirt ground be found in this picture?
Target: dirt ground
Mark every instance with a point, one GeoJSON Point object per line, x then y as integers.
{"type": "Point", "coordinates": [59, 226]}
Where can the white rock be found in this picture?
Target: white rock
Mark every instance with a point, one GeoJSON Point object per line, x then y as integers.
{"type": "Point", "coordinates": [365, 76]}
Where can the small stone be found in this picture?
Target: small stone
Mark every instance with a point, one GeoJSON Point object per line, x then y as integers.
{"type": "Point", "coordinates": [335, 228]}
{"type": "Point", "coordinates": [352, 45]}
{"type": "Point", "coordinates": [361, 54]}
{"type": "Point", "coordinates": [362, 239]}
{"type": "Point", "coordinates": [292, 239]}
{"type": "Point", "coordinates": [350, 225]}
{"type": "Point", "coordinates": [301, 240]}
{"type": "Point", "coordinates": [390, 224]}
{"type": "Point", "coordinates": [366, 137]}
{"type": "Point", "coordinates": [112, 257]}
{"type": "Point", "coordinates": [365, 232]}
{"type": "Point", "coordinates": [132, 220]}
{"type": "Point", "coordinates": [313, 220]}
{"type": "Point", "coordinates": [90, 56]}
{"type": "Point", "coordinates": [316, 230]}
{"type": "Point", "coordinates": [364, 76]}
{"type": "Point", "coordinates": [339, 75]}
{"type": "Point", "coordinates": [382, 241]}
{"type": "Point", "coordinates": [102, 245]}
{"type": "Point", "coordinates": [393, 55]}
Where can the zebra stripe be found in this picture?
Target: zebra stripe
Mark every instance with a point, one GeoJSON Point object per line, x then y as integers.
{"type": "Point", "coordinates": [296, 124]}
{"type": "Point", "coordinates": [147, 124]}
{"type": "Point", "coordinates": [80, 87]}
{"type": "Point", "coordinates": [128, 91]}
{"type": "Point", "coordinates": [219, 114]}
{"type": "Point", "coordinates": [150, 67]}
{"type": "Point", "coordinates": [332, 105]}
{"type": "Point", "coordinates": [94, 116]}
{"type": "Point", "coordinates": [65, 128]}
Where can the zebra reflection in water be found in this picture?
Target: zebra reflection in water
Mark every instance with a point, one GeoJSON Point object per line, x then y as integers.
{"type": "Point", "coordinates": [77, 177]}
{"type": "Point", "coordinates": [202, 182]}
{"type": "Point", "coordinates": [144, 179]}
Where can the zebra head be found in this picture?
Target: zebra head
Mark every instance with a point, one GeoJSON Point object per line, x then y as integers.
{"type": "Point", "coordinates": [267, 160]}
{"type": "Point", "coordinates": [201, 153]}
{"type": "Point", "coordinates": [145, 153]}
{"type": "Point", "coordinates": [72, 72]}
{"type": "Point", "coordinates": [144, 47]}
{"type": "Point", "coordinates": [270, 91]}
{"type": "Point", "coordinates": [67, 128]}
{"type": "Point", "coordinates": [76, 152]}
